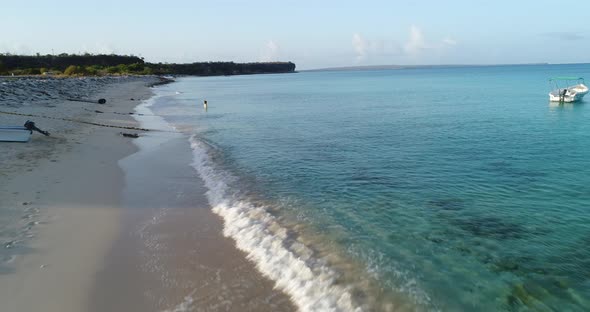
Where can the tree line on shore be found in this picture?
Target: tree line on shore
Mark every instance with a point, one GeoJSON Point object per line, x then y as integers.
{"type": "Point", "coordinates": [111, 64]}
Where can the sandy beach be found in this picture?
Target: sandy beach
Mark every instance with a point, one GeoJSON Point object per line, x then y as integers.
{"type": "Point", "coordinates": [93, 221]}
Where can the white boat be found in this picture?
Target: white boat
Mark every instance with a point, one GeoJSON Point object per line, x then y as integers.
{"type": "Point", "coordinates": [566, 91]}
{"type": "Point", "coordinates": [19, 133]}
{"type": "Point", "coordinates": [15, 134]}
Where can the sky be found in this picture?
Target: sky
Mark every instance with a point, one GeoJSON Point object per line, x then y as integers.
{"type": "Point", "coordinates": [312, 34]}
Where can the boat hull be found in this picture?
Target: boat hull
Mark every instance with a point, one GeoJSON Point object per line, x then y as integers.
{"type": "Point", "coordinates": [14, 134]}
{"type": "Point", "coordinates": [573, 94]}
{"type": "Point", "coordinates": [567, 98]}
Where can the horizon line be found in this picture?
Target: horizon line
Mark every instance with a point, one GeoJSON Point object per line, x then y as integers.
{"type": "Point", "coordinates": [396, 66]}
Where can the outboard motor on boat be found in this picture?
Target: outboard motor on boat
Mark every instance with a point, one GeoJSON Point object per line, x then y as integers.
{"type": "Point", "coordinates": [29, 125]}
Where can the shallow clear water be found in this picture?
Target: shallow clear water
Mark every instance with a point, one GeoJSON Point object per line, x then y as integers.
{"type": "Point", "coordinates": [449, 188]}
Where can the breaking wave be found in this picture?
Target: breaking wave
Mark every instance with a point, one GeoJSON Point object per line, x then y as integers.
{"type": "Point", "coordinates": [311, 284]}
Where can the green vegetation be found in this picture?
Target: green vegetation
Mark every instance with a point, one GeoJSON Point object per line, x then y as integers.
{"type": "Point", "coordinates": [98, 65]}
{"type": "Point", "coordinates": [222, 68]}
{"type": "Point", "coordinates": [62, 61]}
{"type": "Point", "coordinates": [71, 70]}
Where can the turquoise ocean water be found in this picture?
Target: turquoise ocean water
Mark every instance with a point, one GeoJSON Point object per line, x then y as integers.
{"type": "Point", "coordinates": [453, 189]}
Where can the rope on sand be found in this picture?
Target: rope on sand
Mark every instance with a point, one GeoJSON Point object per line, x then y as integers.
{"type": "Point", "coordinates": [116, 113]}
{"type": "Point", "coordinates": [82, 121]}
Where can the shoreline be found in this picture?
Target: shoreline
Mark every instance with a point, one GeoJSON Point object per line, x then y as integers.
{"type": "Point", "coordinates": [84, 221]}
{"type": "Point", "coordinates": [170, 229]}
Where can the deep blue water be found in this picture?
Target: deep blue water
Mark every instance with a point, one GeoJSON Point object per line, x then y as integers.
{"type": "Point", "coordinates": [448, 188]}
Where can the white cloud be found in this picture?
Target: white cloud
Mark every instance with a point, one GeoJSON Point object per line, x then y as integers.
{"type": "Point", "coordinates": [271, 52]}
{"type": "Point", "coordinates": [449, 41]}
{"type": "Point", "coordinates": [361, 47]}
{"type": "Point", "coordinates": [15, 48]}
{"type": "Point", "coordinates": [416, 42]}
{"type": "Point", "coordinates": [369, 50]}
{"type": "Point", "coordinates": [99, 48]}
{"type": "Point", "coordinates": [366, 49]}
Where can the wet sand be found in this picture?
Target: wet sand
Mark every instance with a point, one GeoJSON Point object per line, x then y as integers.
{"type": "Point", "coordinates": [102, 238]}
{"type": "Point", "coordinates": [172, 255]}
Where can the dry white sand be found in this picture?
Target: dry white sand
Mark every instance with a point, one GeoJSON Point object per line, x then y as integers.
{"type": "Point", "coordinates": [72, 179]}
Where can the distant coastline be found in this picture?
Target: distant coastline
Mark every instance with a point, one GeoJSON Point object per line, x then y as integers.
{"type": "Point", "coordinates": [391, 67]}
{"type": "Point", "coordinates": [104, 65]}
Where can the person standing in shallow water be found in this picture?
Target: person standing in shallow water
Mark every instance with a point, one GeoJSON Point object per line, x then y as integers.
{"type": "Point", "coordinates": [205, 104]}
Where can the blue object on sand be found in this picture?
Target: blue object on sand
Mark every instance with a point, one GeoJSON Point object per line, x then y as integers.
{"type": "Point", "coordinates": [14, 134]}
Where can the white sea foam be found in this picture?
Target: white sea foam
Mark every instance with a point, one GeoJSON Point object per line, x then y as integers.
{"type": "Point", "coordinates": [311, 284]}
{"type": "Point", "coordinates": [185, 306]}
{"type": "Point", "coordinates": [153, 122]}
